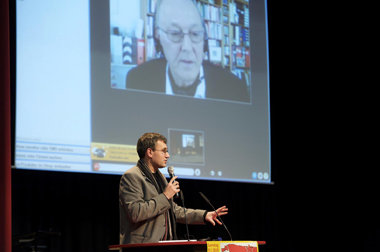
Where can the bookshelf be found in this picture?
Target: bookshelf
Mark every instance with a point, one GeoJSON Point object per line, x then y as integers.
{"type": "Point", "coordinates": [228, 26]}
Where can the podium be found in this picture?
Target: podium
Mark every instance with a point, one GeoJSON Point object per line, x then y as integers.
{"type": "Point", "coordinates": [190, 246]}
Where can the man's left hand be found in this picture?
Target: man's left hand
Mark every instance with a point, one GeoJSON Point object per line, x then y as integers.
{"type": "Point", "coordinates": [212, 217]}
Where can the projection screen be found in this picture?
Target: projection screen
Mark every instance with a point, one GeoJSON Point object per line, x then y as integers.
{"type": "Point", "coordinates": [93, 76]}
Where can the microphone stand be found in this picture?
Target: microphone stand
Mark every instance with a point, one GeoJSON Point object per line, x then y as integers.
{"type": "Point", "coordinates": [184, 210]}
{"type": "Point", "coordinates": [208, 202]}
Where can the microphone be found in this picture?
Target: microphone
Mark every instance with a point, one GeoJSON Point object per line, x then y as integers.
{"type": "Point", "coordinates": [208, 202]}
{"type": "Point", "coordinates": [171, 174]}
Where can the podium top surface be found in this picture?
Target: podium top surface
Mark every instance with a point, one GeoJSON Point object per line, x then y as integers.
{"type": "Point", "coordinates": [169, 243]}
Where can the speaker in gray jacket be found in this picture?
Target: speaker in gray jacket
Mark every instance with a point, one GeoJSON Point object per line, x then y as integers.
{"type": "Point", "coordinates": [147, 210]}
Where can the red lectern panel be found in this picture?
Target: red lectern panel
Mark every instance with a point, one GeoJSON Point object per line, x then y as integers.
{"type": "Point", "coordinates": [183, 246]}
{"type": "Point", "coordinates": [170, 246]}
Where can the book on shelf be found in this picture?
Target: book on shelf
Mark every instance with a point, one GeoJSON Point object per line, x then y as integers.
{"type": "Point", "coordinates": [233, 13]}
{"type": "Point", "coordinates": [226, 61]}
{"type": "Point", "coordinates": [245, 36]}
{"type": "Point", "coordinates": [150, 49]}
{"type": "Point", "coordinates": [247, 58]}
{"type": "Point", "coordinates": [241, 57]}
{"type": "Point", "coordinates": [214, 30]}
{"type": "Point", "coordinates": [237, 35]}
{"type": "Point", "coordinates": [225, 19]}
{"type": "Point", "coordinates": [140, 51]}
{"type": "Point", "coordinates": [226, 40]}
{"type": "Point", "coordinates": [246, 16]}
{"type": "Point", "coordinates": [239, 14]}
{"type": "Point", "coordinates": [209, 12]}
{"type": "Point", "coordinates": [226, 50]}
{"type": "Point", "coordinates": [214, 42]}
{"type": "Point", "coordinates": [226, 55]}
{"type": "Point", "coordinates": [240, 35]}
{"type": "Point", "coordinates": [226, 29]}
{"type": "Point", "coordinates": [149, 26]}
{"type": "Point", "coordinates": [152, 6]}
{"type": "Point", "coordinates": [215, 54]}
{"type": "Point", "coordinates": [225, 10]}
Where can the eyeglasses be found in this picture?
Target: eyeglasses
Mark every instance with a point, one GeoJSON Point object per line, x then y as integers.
{"type": "Point", "coordinates": [177, 36]}
{"type": "Point", "coordinates": [163, 150]}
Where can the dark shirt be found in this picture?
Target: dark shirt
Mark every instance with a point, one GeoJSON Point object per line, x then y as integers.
{"type": "Point", "coordinates": [220, 84]}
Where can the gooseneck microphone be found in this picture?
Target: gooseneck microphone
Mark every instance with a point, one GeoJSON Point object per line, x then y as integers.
{"type": "Point", "coordinates": [208, 202]}
{"type": "Point", "coordinates": [171, 174]}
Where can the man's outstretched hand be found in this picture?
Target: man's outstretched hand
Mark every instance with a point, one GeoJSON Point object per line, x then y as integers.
{"type": "Point", "coordinates": [212, 217]}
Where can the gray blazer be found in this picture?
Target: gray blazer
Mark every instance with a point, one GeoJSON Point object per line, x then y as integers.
{"type": "Point", "coordinates": [142, 209]}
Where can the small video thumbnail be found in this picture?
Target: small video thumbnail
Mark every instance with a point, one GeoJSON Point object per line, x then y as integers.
{"type": "Point", "coordinates": [186, 146]}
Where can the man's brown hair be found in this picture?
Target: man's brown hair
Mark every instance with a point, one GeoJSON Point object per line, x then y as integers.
{"type": "Point", "coordinates": [148, 140]}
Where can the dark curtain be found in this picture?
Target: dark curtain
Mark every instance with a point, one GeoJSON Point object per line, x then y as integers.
{"type": "Point", "coordinates": [5, 131]}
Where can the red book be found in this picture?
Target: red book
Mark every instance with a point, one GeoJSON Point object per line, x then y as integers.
{"type": "Point", "coordinates": [247, 58]}
{"type": "Point", "coordinates": [140, 51]}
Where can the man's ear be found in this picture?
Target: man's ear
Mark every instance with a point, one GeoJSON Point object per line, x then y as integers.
{"type": "Point", "coordinates": [149, 153]}
{"type": "Point", "coordinates": [157, 43]}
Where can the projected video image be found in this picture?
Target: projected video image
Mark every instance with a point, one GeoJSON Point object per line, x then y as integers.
{"type": "Point", "coordinates": [194, 71]}
{"type": "Point", "coordinates": [186, 147]}
{"type": "Point", "coordinates": [203, 52]}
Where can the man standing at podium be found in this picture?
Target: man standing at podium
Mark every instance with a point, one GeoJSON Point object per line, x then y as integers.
{"type": "Point", "coordinates": [147, 210]}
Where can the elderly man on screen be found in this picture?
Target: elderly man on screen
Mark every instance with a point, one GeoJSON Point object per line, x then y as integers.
{"type": "Point", "coordinates": [180, 35]}
{"type": "Point", "coordinates": [147, 210]}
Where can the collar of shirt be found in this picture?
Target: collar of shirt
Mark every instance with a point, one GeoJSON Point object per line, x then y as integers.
{"type": "Point", "coordinates": [200, 92]}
